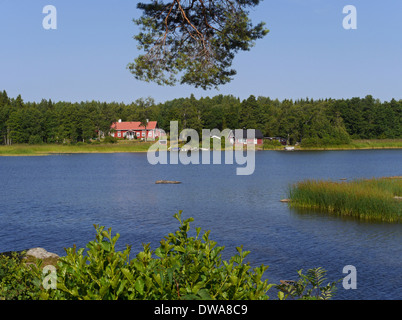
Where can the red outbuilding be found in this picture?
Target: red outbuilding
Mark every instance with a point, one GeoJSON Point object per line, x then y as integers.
{"type": "Point", "coordinates": [241, 137]}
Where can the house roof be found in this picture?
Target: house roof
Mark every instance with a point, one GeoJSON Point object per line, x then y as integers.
{"type": "Point", "coordinates": [243, 134]}
{"type": "Point", "coordinates": [133, 125]}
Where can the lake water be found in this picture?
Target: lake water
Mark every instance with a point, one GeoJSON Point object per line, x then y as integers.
{"type": "Point", "coordinates": [53, 202]}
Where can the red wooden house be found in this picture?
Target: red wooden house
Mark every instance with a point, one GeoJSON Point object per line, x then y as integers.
{"type": "Point", "coordinates": [131, 129]}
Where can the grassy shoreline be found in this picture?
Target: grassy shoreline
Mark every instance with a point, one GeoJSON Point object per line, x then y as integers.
{"type": "Point", "coordinates": [362, 145]}
{"type": "Point", "coordinates": [51, 149]}
{"type": "Point", "coordinates": [129, 146]}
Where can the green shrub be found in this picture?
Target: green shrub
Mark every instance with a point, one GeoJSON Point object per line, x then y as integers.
{"type": "Point", "coordinates": [182, 267]}
{"type": "Point", "coordinates": [325, 141]}
{"type": "Point", "coordinates": [35, 139]}
{"type": "Point", "coordinates": [109, 139]}
{"type": "Point", "coordinates": [309, 286]}
{"type": "Point", "coordinates": [272, 144]}
{"type": "Point", "coordinates": [18, 281]}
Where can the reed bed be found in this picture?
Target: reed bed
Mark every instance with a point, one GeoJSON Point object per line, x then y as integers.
{"type": "Point", "coordinates": [368, 199]}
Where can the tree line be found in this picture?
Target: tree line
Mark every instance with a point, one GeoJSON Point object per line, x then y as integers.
{"type": "Point", "coordinates": [307, 121]}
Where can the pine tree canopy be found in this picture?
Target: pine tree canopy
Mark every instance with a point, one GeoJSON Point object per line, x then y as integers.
{"type": "Point", "coordinates": [193, 41]}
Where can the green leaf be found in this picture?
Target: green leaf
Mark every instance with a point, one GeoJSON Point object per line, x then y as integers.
{"type": "Point", "coordinates": [139, 286]}
{"type": "Point", "coordinates": [179, 249]}
{"type": "Point", "coordinates": [198, 230]}
{"type": "Point", "coordinates": [106, 246]}
{"type": "Point", "coordinates": [170, 275]}
{"type": "Point", "coordinates": [157, 278]}
{"type": "Point", "coordinates": [128, 274]}
{"type": "Point", "coordinates": [159, 253]}
{"type": "Point", "coordinates": [121, 287]}
{"type": "Point", "coordinates": [234, 279]}
{"type": "Point", "coordinates": [197, 287]}
{"type": "Point", "coordinates": [204, 294]}
{"type": "Point", "coordinates": [104, 290]}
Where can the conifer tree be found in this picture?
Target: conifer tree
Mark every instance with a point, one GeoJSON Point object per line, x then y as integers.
{"type": "Point", "coordinates": [193, 41]}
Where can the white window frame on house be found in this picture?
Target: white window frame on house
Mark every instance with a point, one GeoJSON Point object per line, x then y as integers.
{"type": "Point", "coordinates": [143, 134]}
{"type": "Point", "coordinates": [119, 134]}
{"type": "Point", "coordinates": [138, 133]}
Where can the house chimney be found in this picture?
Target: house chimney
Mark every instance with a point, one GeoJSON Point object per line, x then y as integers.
{"type": "Point", "coordinates": [119, 120]}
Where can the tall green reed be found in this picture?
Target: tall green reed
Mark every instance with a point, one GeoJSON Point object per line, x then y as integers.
{"type": "Point", "coordinates": [367, 199]}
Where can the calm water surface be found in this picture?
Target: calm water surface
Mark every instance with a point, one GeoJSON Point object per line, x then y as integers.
{"type": "Point", "coordinates": [53, 202]}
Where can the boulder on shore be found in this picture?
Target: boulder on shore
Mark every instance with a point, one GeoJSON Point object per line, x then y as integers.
{"type": "Point", "coordinates": [40, 253]}
{"type": "Point", "coordinates": [48, 258]}
{"type": "Point", "coordinates": [31, 255]}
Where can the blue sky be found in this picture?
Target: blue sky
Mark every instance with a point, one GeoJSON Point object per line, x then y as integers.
{"type": "Point", "coordinates": [307, 53]}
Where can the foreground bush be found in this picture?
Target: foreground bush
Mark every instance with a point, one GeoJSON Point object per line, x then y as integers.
{"type": "Point", "coordinates": [182, 267]}
{"type": "Point", "coordinates": [185, 268]}
{"type": "Point", "coordinates": [18, 281]}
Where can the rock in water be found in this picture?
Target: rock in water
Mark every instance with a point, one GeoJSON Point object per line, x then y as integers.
{"type": "Point", "coordinates": [167, 182]}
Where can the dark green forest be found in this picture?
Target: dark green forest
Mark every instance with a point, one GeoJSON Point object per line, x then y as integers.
{"type": "Point", "coordinates": [307, 121]}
